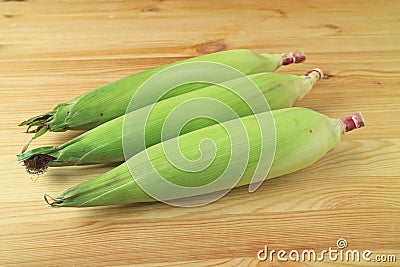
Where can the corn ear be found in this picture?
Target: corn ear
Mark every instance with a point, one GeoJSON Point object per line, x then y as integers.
{"type": "Point", "coordinates": [111, 100]}
{"type": "Point", "coordinates": [104, 143]}
{"type": "Point", "coordinates": [303, 136]}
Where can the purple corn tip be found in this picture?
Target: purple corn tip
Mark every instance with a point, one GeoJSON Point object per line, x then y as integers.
{"type": "Point", "coordinates": [353, 122]}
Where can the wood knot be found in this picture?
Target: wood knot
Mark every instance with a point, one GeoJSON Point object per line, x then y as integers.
{"type": "Point", "coordinates": [150, 9]}
{"type": "Point", "coordinates": [277, 12]}
{"type": "Point", "coordinates": [280, 12]}
{"type": "Point", "coordinates": [8, 16]}
{"type": "Point", "coordinates": [327, 75]}
{"type": "Point", "coordinates": [210, 47]}
{"type": "Point", "coordinates": [333, 27]}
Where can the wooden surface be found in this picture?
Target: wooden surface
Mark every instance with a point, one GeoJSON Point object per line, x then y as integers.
{"type": "Point", "coordinates": [51, 51]}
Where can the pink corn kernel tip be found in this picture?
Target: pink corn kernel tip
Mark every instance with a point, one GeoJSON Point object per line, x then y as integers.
{"type": "Point", "coordinates": [353, 122]}
{"type": "Point", "coordinates": [318, 71]}
{"type": "Point", "coordinates": [293, 57]}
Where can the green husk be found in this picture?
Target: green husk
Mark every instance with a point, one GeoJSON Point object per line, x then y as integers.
{"type": "Point", "coordinates": [302, 137]}
{"type": "Point", "coordinates": [104, 143]}
{"type": "Point", "coordinates": [94, 107]}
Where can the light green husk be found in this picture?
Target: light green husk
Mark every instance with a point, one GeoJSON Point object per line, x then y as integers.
{"type": "Point", "coordinates": [94, 107]}
{"type": "Point", "coordinates": [303, 136]}
{"type": "Point", "coordinates": [104, 143]}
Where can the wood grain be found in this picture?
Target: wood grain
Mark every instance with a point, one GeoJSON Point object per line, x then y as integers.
{"type": "Point", "coordinates": [51, 51]}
